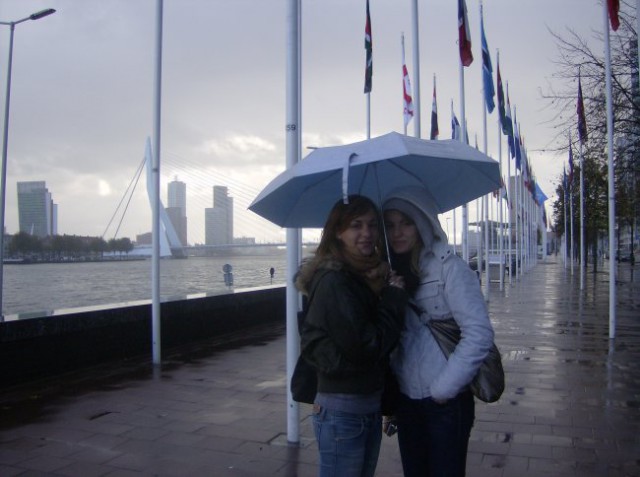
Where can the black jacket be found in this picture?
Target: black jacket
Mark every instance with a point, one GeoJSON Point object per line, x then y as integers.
{"type": "Point", "coordinates": [349, 331]}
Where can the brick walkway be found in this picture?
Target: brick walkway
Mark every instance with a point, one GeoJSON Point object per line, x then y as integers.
{"type": "Point", "coordinates": [571, 407]}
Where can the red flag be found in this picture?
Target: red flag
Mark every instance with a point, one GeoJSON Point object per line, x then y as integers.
{"type": "Point", "coordinates": [464, 36]}
{"type": "Point", "coordinates": [614, 6]}
{"type": "Point", "coordinates": [406, 90]}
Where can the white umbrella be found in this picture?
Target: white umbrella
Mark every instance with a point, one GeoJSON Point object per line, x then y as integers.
{"type": "Point", "coordinates": [452, 172]}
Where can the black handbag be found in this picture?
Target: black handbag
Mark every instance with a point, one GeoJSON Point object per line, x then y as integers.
{"type": "Point", "coordinates": [304, 382]}
{"type": "Point", "coordinates": [488, 384]}
{"type": "Point", "coordinates": [390, 394]}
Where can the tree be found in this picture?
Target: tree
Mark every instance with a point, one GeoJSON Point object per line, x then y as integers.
{"type": "Point", "coordinates": [23, 244]}
{"type": "Point", "coordinates": [576, 57]}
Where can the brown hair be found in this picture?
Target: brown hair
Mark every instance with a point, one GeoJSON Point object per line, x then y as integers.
{"type": "Point", "coordinates": [339, 220]}
{"type": "Point", "coordinates": [331, 248]}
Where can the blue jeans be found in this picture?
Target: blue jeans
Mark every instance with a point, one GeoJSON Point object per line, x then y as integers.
{"type": "Point", "coordinates": [433, 438]}
{"type": "Point", "coordinates": [349, 444]}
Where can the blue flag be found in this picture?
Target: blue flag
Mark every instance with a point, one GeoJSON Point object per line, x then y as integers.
{"type": "Point", "coordinates": [487, 69]}
{"type": "Point", "coordinates": [455, 128]}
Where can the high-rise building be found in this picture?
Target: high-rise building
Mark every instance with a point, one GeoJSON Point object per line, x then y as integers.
{"type": "Point", "coordinates": [177, 208]}
{"type": "Point", "coordinates": [37, 213]}
{"type": "Point", "coordinates": [218, 220]}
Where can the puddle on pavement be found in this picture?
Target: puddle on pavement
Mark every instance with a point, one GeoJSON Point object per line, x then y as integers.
{"type": "Point", "coordinates": [34, 401]}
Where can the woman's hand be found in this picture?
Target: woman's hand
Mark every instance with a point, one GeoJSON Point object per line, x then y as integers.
{"type": "Point", "coordinates": [395, 280]}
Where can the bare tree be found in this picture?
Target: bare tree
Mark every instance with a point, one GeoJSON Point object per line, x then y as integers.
{"type": "Point", "coordinates": [582, 58]}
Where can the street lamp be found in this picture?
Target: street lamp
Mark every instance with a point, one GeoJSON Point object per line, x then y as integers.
{"type": "Point", "coordinates": [5, 136]}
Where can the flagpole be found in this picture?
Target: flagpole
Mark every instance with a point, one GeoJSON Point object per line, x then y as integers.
{"type": "Point", "coordinates": [416, 69]}
{"type": "Point", "coordinates": [500, 204]}
{"type": "Point", "coordinates": [455, 240]}
{"type": "Point", "coordinates": [564, 205]}
{"type": "Point", "coordinates": [582, 131]}
{"type": "Point", "coordinates": [292, 235]}
{"type": "Point", "coordinates": [611, 185]}
{"type": "Point", "coordinates": [463, 135]}
{"type": "Point", "coordinates": [466, 57]}
{"type": "Point", "coordinates": [485, 198]}
{"type": "Point", "coordinates": [368, 115]}
{"type": "Point", "coordinates": [155, 168]}
{"type": "Point", "coordinates": [516, 183]}
{"type": "Point", "coordinates": [511, 196]}
{"type": "Point", "coordinates": [583, 264]}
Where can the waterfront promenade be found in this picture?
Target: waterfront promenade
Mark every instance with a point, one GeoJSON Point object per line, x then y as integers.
{"type": "Point", "coordinates": [571, 406]}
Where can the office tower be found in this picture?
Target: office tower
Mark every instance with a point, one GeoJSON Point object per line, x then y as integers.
{"type": "Point", "coordinates": [37, 214]}
{"type": "Point", "coordinates": [177, 208]}
{"type": "Point", "coordinates": [219, 219]}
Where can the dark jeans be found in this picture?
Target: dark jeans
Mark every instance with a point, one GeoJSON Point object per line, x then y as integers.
{"type": "Point", "coordinates": [433, 437]}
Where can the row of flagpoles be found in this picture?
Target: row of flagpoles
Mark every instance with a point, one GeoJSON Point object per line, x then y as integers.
{"type": "Point", "coordinates": [525, 199]}
{"type": "Point", "coordinates": [524, 192]}
{"type": "Point", "coordinates": [529, 209]}
{"type": "Point", "coordinates": [611, 18]}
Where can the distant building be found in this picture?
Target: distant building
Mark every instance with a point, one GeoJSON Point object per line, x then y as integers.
{"type": "Point", "coordinates": [37, 214]}
{"type": "Point", "coordinates": [144, 239]}
{"type": "Point", "coordinates": [177, 208]}
{"type": "Point", "coordinates": [244, 241]}
{"type": "Point", "coordinates": [218, 220]}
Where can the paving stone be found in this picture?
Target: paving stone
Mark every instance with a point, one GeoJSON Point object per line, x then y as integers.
{"type": "Point", "coordinates": [571, 406]}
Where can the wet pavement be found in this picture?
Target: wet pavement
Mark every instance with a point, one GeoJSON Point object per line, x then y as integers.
{"type": "Point", "coordinates": [571, 406]}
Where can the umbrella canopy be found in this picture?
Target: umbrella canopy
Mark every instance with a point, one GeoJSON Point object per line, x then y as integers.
{"type": "Point", "coordinates": [302, 196]}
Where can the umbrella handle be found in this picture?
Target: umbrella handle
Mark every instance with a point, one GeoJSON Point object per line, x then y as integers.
{"type": "Point", "coordinates": [345, 178]}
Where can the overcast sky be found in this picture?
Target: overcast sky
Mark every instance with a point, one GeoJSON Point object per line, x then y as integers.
{"type": "Point", "coordinates": [82, 86]}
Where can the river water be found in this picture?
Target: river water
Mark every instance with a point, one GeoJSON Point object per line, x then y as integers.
{"type": "Point", "coordinates": [30, 290]}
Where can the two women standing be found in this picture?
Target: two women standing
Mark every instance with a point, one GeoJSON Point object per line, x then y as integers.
{"type": "Point", "coordinates": [357, 319]}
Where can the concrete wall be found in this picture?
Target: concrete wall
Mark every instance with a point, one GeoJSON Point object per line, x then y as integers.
{"type": "Point", "coordinates": [39, 347]}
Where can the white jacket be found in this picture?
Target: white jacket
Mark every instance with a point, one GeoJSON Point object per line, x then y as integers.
{"type": "Point", "coordinates": [448, 288]}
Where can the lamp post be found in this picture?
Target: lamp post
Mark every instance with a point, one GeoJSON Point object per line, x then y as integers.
{"type": "Point", "coordinates": [5, 137]}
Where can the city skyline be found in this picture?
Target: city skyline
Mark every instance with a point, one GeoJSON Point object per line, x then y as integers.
{"type": "Point", "coordinates": [82, 85]}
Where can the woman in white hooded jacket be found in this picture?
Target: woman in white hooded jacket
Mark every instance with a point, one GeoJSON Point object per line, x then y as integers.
{"type": "Point", "coordinates": [436, 409]}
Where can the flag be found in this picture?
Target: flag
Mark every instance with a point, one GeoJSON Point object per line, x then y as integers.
{"type": "Point", "coordinates": [501, 105]}
{"type": "Point", "coordinates": [582, 121]}
{"type": "Point", "coordinates": [434, 114]}
{"type": "Point", "coordinates": [455, 127]}
{"type": "Point", "coordinates": [406, 90]}
{"type": "Point", "coordinates": [516, 143]}
{"type": "Point", "coordinates": [570, 177]}
{"type": "Point", "coordinates": [368, 46]}
{"type": "Point", "coordinates": [464, 36]}
{"type": "Point", "coordinates": [505, 196]}
{"type": "Point", "coordinates": [510, 128]}
{"type": "Point", "coordinates": [564, 183]}
{"type": "Point", "coordinates": [501, 193]}
{"type": "Point", "coordinates": [614, 6]}
{"type": "Point", "coordinates": [487, 69]}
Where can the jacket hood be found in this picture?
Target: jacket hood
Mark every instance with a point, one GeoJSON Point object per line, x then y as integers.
{"type": "Point", "coordinates": [418, 204]}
